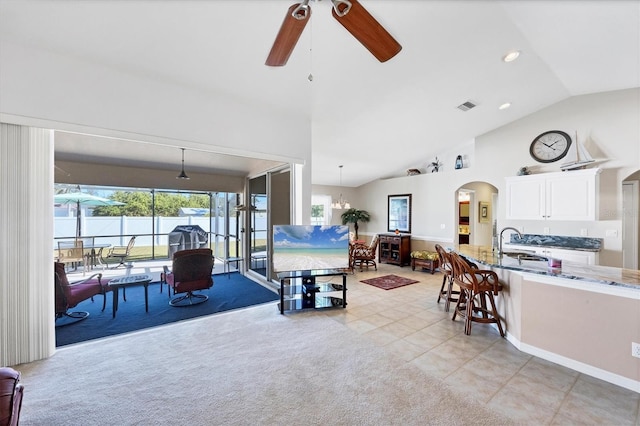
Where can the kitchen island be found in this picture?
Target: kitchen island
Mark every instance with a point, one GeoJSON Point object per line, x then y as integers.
{"type": "Point", "coordinates": [606, 275]}
{"type": "Point", "coordinates": [584, 317]}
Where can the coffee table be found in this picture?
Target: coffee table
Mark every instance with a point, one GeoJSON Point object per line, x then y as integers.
{"type": "Point", "coordinates": [129, 281]}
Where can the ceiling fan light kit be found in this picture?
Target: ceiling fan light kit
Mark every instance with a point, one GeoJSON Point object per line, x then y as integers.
{"type": "Point", "coordinates": [350, 14]}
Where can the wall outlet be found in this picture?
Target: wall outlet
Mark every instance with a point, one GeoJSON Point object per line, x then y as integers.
{"type": "Point", "coordinates": [635, 349]}
{"type": "Point", "coordinates": [612, 233]}
{"type": "Point", "coordinates": [545, 230]}
{"type": "Point", "coordinates": [583, 232]}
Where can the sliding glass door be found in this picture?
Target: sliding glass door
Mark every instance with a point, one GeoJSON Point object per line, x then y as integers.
{"type": "Point", "coordinates": [270, 204]}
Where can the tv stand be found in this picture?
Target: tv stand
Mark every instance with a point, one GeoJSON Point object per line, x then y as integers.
{"type": "Point", "coordinates": [302, 290]}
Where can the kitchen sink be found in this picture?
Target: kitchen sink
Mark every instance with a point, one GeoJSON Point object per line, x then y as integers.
{"type": "Point", "coordinates": [525, 256]}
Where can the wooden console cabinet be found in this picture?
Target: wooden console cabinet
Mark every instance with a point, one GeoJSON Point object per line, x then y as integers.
{"type": "Point", "coordinates": [395, 249]}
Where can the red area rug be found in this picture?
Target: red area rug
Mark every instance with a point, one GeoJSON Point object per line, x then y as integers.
{"type": "Point", "coordinates": [389, 282]}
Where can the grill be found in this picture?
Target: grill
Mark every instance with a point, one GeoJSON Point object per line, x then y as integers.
{"type": "Point", "coordinates": [186, 237]}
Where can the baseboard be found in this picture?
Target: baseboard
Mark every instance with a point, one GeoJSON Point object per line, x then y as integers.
{"type": "Point", "coordinates": [578, 366]}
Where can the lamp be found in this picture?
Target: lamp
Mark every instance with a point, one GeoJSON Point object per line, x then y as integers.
{"type": "Point", "coordinates": [182, 174]}
{"type": "Point", "coordinates": [340, 203]}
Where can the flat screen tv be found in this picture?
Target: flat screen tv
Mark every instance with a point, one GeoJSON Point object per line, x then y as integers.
{"type": "Point", "coordinates": [302, 248]}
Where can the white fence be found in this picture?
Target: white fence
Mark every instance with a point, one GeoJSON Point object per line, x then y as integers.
{"type": "Point", "coordinates": [124, 227]}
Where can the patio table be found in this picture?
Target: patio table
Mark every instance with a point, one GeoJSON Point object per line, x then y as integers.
{"type": "Point", "coordinates": [129, 281]}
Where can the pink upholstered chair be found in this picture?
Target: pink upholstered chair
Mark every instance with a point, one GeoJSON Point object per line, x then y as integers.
{"type": "Point", "coordinates": [11, 392]}
{"type": "Point", "coordinates": [68, 295]}
{"type": "Point", "coordinates": [191, 271]}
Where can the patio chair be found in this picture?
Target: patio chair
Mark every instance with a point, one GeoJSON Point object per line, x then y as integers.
{"type": "Point", "coordinates": [11, 392]}
{"type": "Point", "coordinates": [121, 253]}
{"type": "Point", "coordinates": [72, 252]}
{"type": "Point", "coordinates": [68, 295]}
{"type": "Point", "coordinates": [191, 271]}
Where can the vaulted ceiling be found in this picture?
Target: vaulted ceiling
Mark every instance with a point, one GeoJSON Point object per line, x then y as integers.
{"type": "Point", "coordinates": [376, 119]}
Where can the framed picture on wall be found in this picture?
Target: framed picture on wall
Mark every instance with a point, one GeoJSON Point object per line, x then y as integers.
{"type": "Point", "coordinates": [484, 215]}
{"type": "Point", "coordinates": [399, 213]}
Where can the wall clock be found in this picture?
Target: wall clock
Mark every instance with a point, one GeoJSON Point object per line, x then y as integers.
{"type": "Point", "coordinates": [550, 146]}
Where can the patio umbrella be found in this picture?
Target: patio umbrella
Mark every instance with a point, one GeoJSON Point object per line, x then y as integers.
{"type": "Point", "coordinates": [84, 199]}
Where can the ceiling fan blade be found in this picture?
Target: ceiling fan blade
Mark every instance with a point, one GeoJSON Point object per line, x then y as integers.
{"type": "Point", "coordinates": [364, 27]}
{"type": "Point", "coordinates": [297, 17]}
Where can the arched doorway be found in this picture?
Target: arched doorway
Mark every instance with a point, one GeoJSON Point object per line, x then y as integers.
{"type": "Point", "coordinates": [476, 204]}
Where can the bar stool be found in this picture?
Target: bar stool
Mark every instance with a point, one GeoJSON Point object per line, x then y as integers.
{"type": "Point", "coordinates": [477, 287]}
{"type": "Point", "coordinates": [448, 294]}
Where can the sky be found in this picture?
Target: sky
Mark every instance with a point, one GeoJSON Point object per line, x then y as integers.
{"type": "Point", "coordinates": [299, 236]}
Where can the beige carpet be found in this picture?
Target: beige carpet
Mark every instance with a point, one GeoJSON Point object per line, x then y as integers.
{"type": "Point", "coordinates": [247, 367]}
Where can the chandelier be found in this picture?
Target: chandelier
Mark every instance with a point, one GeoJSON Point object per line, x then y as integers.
{"type": "Point", "coordinates": [340, 203]}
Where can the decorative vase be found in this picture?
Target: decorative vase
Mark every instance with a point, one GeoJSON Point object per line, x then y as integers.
{"type": "Point", "coordinates": [459, 162]}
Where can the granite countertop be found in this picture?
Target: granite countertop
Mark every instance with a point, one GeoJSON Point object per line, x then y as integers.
{"type": "Point", "coordinates": [551, 246]}
{"type": "Point", "coordinates": [557, 242]}
{"type": "Point", "coordinates": [608, 275]}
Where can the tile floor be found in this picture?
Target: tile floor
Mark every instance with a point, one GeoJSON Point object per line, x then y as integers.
{"type": "Point", "coordinates": [409, 323]}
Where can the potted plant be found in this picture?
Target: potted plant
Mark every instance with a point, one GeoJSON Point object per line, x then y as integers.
{"type": "Point", "coordinates": [354, 216]}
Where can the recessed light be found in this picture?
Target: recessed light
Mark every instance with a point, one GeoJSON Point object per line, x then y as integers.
{"type": "Point", "coordinates": [511, 56]}
{"type": "Point", "coordinates": [505, 105]}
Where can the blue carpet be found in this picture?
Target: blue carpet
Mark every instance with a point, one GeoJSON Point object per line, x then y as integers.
{"type": "Point", "coordinates": [226, 294]}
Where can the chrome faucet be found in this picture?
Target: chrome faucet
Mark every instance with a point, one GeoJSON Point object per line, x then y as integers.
{"type": "Point", "coordinates": [500, 240]}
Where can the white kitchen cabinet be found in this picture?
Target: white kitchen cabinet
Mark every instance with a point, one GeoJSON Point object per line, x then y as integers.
{"type": "Point", "coordinates": [571, 195]}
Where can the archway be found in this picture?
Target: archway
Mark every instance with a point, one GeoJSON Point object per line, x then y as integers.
{"type": "Point", "coordinates": [476, 204]}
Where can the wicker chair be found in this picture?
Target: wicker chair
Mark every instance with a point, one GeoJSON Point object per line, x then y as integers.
{"type": "Point", "coordinates": [363, 255]}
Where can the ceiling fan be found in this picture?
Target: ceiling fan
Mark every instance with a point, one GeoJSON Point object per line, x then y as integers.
{"type": "Point", "coordinates": [351, 14]}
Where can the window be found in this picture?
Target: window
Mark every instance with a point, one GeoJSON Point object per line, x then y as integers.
{"type": "Point", "coordinates": [321, 210]}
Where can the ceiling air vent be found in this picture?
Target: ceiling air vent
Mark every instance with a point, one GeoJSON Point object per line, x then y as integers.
{"type": "Point", "coordinates": [466, 106]}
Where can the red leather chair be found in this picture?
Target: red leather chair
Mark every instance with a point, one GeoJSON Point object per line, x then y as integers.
{"type": "Point", "coordinates": [191, 271]}
{"type": "Point", "coordinates": [68, 295]}
{"type": "Point", "coordinates": [11, 392]}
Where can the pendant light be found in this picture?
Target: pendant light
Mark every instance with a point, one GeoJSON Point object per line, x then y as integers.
{"type": "Point", "coordinates": [340, 203]}
{"type": "Point", "coordinates": [182, 174]}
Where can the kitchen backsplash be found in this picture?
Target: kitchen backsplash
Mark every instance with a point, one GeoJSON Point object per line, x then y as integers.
{"type": "Point", "coordinates": [557, 241]}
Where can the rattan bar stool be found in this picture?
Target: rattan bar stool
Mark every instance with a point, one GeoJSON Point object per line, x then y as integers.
{"type": "Point", "coordinates": [447, 293]}
{"type": "Point", "coordinates": [478, 288]}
